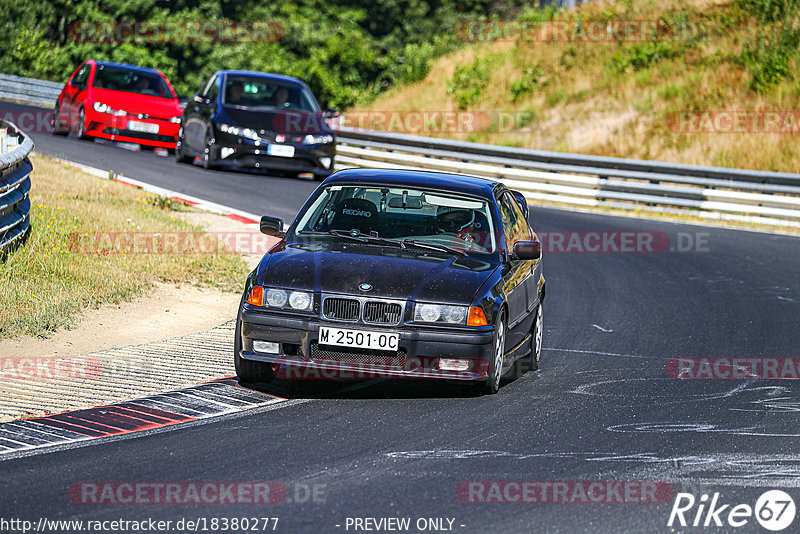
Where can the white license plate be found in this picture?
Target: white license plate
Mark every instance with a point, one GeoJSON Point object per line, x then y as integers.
{"type": "Point", "coordinates": [284, 151]}
{"type": "Point", "coordinates": [146, 127]}
{"type": "Point", "coordinates": [361, 339]}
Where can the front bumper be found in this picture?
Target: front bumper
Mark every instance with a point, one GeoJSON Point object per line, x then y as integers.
{"type": "Point", "coordinates": [115, 128]}
{"type": "Point", "coordinates": [236, 152]}
{"type": "Point", "coordinates": [418, 354]}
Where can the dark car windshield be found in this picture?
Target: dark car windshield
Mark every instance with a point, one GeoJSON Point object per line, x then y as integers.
{"type": "Point", "coordinates": [131, 81]}
{"type": "Point", "coordinates": [261, 93]}
{"type": "Point", "coordinates": [402, 214]}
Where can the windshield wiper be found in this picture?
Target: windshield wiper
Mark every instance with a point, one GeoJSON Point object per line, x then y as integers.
{"type": "Point", "coordinates": [433, 246]}
{"type": "Point", "coordinates": [361, 237]}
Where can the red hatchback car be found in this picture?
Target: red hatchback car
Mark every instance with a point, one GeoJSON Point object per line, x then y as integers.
{"type": "Point", "coordinates": [120, 103]}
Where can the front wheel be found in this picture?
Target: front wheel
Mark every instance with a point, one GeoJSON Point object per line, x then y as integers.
{"type": "Point", "coordinates": [58, 126]}
{"type": "Point", "coordinates": [209, 151]}
{"type": "Point", "coordinates": [496, 365]}
{"type": "Point", "coordinates": [247, 370]}
{"type": "Point", "coordinates": [180, 155]}
{"type": "Point", "coordinates": [82, 125]}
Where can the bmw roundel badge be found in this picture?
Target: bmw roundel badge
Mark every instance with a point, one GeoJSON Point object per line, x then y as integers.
{"type": "Point", "coordinates": [365, 287]}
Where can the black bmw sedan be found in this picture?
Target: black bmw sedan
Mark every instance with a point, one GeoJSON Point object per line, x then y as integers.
{"type": "Point", "coordinates": [257, 120]}
{"type": "Point", "coordinates": [396, 274]}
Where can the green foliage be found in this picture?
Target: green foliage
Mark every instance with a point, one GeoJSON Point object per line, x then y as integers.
{"type": "Point", "coordinates": [347, 51]}
{"type": "Point", "coordinates": [468, 81]}
{"type": "Point", "coordinates": [642, 56]}
{"type": "Point", "coordinates": [769, 58]}
{"type": "Point", "coordinates": [769, 10]}
{"type": "Point", "coordinates": [523, 87]}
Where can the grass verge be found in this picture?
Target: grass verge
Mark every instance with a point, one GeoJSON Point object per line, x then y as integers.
{"type": "Point", "coordinates": [47, 283]}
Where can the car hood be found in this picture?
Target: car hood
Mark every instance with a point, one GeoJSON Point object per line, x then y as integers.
{"type": "Point", "coordinates": [392, 272]}
{"type": "Point", "coordinates": [154, 106]}
{"type": "Point", "coordinates": [285, 122]}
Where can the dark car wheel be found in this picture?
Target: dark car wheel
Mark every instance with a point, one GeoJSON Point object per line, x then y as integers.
{"type": "Point", "coordinates": [180, 156]}
{"type": "Point", "coordinates": [496, 364]}
{"type": "Point", "coordinates": [209, 151]}
{"type": "Point", "coordinates": [58, 126]}
{"type": "Point", "coordinates": [82, 125]}
{"type": "Point", "coordinates": [248, 370]}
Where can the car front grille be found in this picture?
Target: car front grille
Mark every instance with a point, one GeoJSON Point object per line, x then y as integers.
{"type": "Point", "coordinates": [382, 312]}
{"type": "Point", "coordinates": [362, 357]}
{"type": "Point", "coordinates": [341, 309]}
{"type": "Point", "coordinates": [364, 310]}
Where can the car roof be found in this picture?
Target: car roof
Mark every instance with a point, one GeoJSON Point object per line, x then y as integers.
{"type": "Point", "coordinates": [457, 183]}
{"type": "Point", "coordinates": [127, 66]}
{"type": "Point", "coordinates": [265, 75]}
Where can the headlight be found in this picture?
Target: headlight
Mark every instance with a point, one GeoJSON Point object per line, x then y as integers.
{"type": "Point", "coordinates": [321, 139]}
{"type": "Point", "coordinates": [239, 132]}
{"type": "Point", "coordinates": [300, 300]}
{"type": "Point", "coordinates": [281, 298]}
{"type": "Point", "coordinates": [103, 108]}
{"type": "Point", "coordinates": [276, 298]}
{"type": "Point", "coordinates": [436, 313]}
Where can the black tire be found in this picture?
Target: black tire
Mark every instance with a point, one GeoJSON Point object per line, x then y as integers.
{"type": "Point", "coordinates": [180, 156]}
{"type": "Point", "coordinates": [209, 156]}
{"type": "Point", "coordinates": [58, 126]}
{"type": "Point", "coordinates": [492, 384]}
{"type": "Point", "coordinates": [82, 125]}
{"type": "Point", "coordinates": [247, 370]}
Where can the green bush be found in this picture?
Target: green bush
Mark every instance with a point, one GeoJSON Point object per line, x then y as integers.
{"type": "Point", "coordinates": [642, 56]}
{"type": "Point", "coordinates": [468, 81]}
{"type": "Point", "coordinates": [523, 87]}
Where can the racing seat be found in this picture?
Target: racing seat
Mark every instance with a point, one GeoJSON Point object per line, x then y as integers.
{"type": "Point", "coordinates": [355, 214]}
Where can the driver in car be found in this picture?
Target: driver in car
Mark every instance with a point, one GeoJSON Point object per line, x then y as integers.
{"type": "Point", "coordinates": [457, 222]}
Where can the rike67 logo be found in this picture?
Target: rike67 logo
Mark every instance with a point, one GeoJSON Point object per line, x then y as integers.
{"type": "Point", "coordinates": [774, 510]}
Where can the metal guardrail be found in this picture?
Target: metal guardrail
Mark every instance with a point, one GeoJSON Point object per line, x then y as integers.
{"type": "Point", "coordinates": [582, 180]}
{"type": "Point", "coordinates": [571, 179]}
{"type": "Point", "coordinates": [30, 90]}
{"type": "Point", "coordinates": [15, 183]}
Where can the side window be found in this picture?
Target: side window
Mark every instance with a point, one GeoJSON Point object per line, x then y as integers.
{"type": "Point", "coordinates": [515, 227]}
{"type": "Point", "coordinates": [212, 89]}
{"type": "Point", "coordinates": [79, 80]}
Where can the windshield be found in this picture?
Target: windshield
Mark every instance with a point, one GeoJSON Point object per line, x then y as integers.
{"type": "Point", "coordinates": [131, 81]}
{"type": "Point", "coordinates": [262, 93]}
{"type": "Point", "coordinates": [462, 223]}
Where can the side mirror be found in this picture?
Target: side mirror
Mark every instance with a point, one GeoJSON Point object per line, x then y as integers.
{"type": "Point", "coordinates": [522, 201]}
{"type": "Point", "coordinates": [272, 226]}
{"type": "Point", "coordinates": [527, 250]}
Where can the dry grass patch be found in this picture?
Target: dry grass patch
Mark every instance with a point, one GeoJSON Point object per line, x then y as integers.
{"type": "Point", "coordinates": [45, 284]}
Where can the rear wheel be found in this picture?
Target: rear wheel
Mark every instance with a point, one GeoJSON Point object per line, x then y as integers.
{"type": "Point", "coordinates": [248, 370]}
{"type": "Point", "coordinates": [496, 364]}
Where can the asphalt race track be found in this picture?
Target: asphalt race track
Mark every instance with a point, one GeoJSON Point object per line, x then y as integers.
{"type": "Point", "coordinates": [603, 407]}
